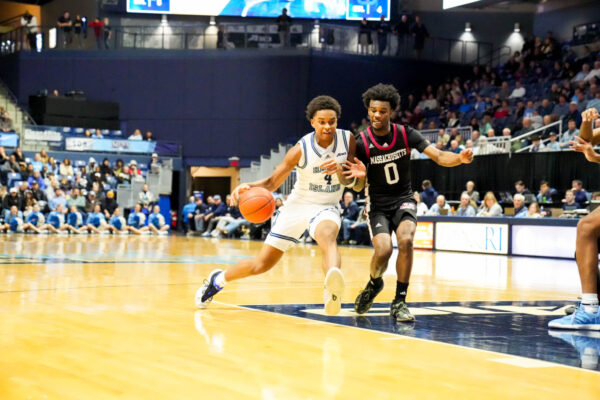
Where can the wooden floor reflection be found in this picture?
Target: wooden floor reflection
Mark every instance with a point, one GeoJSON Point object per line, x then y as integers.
{"type": "Point", "coordinates": [114, 317]}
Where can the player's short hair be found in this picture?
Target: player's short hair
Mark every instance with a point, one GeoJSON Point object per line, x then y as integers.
{"type": "Point", "coordinates": [381, 92]}
{"type": "Point", "coordinates": [322, 103]}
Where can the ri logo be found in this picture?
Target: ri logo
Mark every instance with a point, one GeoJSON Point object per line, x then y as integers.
{"type": "Point", "coordinates": [493, 238]}
{"type": "Point", "coordinates": [148, 5]}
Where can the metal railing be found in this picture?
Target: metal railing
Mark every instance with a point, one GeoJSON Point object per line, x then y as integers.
{"type": "Point", "coordinates": [324, 37]}
{"type": "Point", "coordinates": [539, 131]}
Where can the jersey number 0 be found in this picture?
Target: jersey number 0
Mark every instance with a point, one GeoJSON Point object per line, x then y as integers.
{"type": "Point", "coordinates": [391, 173]}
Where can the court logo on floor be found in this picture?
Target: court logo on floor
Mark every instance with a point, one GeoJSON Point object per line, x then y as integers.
{"type": "Point", "coordinates": [518, 328]}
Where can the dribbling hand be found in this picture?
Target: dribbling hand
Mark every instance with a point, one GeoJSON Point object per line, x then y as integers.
{"type": "Point", "coordinates": [330, 167]}
{"type": "Point", "coordinates": [354, 169]}
{"type": "Point", "coordinates": [237, 192]}
{"type": "Point", "coordinates": [466, 156]}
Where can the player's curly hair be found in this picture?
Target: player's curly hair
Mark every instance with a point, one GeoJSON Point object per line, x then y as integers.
{"type": "Point", "coordinates": [382, 92]}
{"type": "Point", "coordinates": [322, 103]}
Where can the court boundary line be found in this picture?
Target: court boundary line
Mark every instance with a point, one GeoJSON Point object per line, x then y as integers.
{"type": "Point", "coordinates": [413, 338]}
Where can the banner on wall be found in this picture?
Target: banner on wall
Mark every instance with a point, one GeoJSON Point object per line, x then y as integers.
{"type": "Point", "coordinates": [424, 236]}
{"type": "Point", "coordinates": [51, 137]}
{"type": "Point", "coordinates": [109, 146]}
{"type": "Point", "coordinates": [9, 140]}
{"type": "Point", "coordinates": [472, 237]}
{"type": "Point", "coordinates": [553, 241]}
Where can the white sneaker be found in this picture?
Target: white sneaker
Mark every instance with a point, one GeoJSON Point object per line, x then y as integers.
{"type": "Point", "coordinates": [63, 233]}
{"type": "Point", "coordinates": [104, 232]}
{"type": "Point", "coordinates": [163, 233]}
{"type": "Point", "coordinates": [124, 233]}
{"type": "Point", "coordinates": [334, 288]}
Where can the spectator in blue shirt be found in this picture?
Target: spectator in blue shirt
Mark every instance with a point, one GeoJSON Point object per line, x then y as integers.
{"type": "Point", "coordinates": [349, 215]}
{"type": "Point", "coordinates": [137, 220]}
{"type": "Point", "coordinates": [36, 177]}
{"type": "Point", "coordinates": [95, 220]}
{"type": "Point", "coordinates": [58, 199]}
{"type": "Point", "coordinates": [34, 220]}
{"type": "Point", "coordinates": [187, 214]}
{"type": "Point", "coordinates": [201, 211]}
{"type": "Point", "coordinates": [429, 194]}
{"type": "Point", "coordinates": [581, 195]}
{"type": "Point", "coordinates": [546, 193]}
{"type": "Point", "coordinates": [156, 222]}
{"type": "Point", "coordinates": [74, 220]}
{"type": "Point", "coordinates": [117, 223]}
{"type": "Point", "coordinates": [56, 220]}
{"type": "Point", "coordinates": [37, 162]}
{"type": "Point", "coordinates": [465, 209]}
{"type": "Point", "coordinates": [14, 220]}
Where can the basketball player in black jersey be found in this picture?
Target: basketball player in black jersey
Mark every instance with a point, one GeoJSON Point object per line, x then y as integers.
{"type": "Point", "coordinates": [385, 151]}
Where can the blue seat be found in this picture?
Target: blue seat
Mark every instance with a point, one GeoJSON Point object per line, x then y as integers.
{"type": "Point", "coordinates": [13, 177]}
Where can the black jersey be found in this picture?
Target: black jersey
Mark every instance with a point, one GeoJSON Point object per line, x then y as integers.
{"type": "Point", "coordinates": [387, 159]}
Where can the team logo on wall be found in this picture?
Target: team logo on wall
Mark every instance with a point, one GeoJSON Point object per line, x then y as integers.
{"type": "Point", "coordinates": [148, 5]}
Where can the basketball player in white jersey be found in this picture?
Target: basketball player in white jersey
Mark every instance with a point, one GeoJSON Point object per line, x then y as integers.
{"type": "Point", "coordinates": [313, 204]}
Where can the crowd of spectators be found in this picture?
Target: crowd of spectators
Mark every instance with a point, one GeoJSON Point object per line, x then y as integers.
{"type": "Point", "coordinates": [538, 86]}
{"type": "Point", "coordinates": [44, 195]}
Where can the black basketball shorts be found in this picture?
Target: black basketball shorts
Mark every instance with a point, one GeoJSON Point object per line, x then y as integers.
{"type": "Point", "coordinates": [388, 220]}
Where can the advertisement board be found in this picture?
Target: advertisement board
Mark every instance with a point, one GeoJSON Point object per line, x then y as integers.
{"type": "Point", "coordinates": [312, 9]}
{"type": "Point", "coordinates": [550, 241]}
{"type": "Point", "coordinates": [472, 237]}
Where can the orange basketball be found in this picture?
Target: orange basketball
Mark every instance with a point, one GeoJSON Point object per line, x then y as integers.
{"type": "Point", "coordinates": [257, 204]}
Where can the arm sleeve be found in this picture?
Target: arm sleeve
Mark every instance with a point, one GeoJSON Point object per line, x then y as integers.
{"type": "Point", "coordinates": [416, 139]}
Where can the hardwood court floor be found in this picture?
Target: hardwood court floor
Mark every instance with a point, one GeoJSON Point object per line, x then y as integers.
{"type": "Point", "coordinates": [114, 317]}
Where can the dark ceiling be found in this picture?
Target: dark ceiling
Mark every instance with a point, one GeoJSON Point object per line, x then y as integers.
{"type": "Point", "coordinates": [36, 2]}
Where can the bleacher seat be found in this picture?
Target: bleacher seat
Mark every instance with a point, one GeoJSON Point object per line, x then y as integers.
{"type": "Point", "coordinates": [13, 177]}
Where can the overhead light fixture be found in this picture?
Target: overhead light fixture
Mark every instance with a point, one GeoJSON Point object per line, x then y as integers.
{"type": "Point", "coordinates": [517, 27]}
{"type": "Point", "coordinates": [212, 21]}
{"type": "Point", "coordinates": [163, 20]}
{"type": "Point", "coordinates": [467, 27]}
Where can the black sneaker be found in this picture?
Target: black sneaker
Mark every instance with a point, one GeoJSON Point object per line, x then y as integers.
{"type": "Point", "coordinates": [400, 311]}
{"type": "Point", "coordinates": [205, 294]}
{"type": "Point", "coordinates": [365, 298]}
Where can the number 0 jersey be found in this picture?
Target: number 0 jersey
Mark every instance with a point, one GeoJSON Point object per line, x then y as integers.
{"type": "Point", "coordinates": [312, 185]}
{"type": "Point", "coordinates": [388, 164]}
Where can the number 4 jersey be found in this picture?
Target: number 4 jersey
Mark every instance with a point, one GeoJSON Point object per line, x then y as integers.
{"type": "Point", "coordinates": [312, 185]}
{"type": "Point", "coordinates": [387, 159]}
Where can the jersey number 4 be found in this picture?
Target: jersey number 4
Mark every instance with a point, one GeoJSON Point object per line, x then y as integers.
{"type": "Point", "coordinates": [391, 173]}
{"type": "Point", "coordinates": [328, 179]}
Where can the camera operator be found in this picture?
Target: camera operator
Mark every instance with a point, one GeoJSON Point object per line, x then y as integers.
{"type": "Point", "coordinates": [29, 22]}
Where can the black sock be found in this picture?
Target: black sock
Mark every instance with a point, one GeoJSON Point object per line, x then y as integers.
{"type": "Point", "coordinates": [401, 289]}
{"type": "Point", "coordinates": [376, 282]}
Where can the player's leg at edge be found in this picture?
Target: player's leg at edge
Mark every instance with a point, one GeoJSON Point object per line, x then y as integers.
{"type": "Point", "coordinates": [382, 245]}
{"type": "Point", "coordinates": [587, 314]}
{"type": "Point", "coordinates": [325, 235]}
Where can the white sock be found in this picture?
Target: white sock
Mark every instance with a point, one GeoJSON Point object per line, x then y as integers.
{"type": "Point", "coordinates": [220, 280]}
{"type": "Point", "coordinates": [590, 302]}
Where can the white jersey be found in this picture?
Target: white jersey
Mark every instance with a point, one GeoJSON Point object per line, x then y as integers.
{"type": "Point", "coordinates": [312, 185]}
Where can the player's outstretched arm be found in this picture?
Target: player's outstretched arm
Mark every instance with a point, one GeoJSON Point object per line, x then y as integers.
{"type": "Point", "coordinates": [279, 175]}
{"type": "Point", "coordinates": [447, 158]}
{"type": "Point", "coordinates": [582, 146]}
{"type": "Point", "coordinates": [585, 130]}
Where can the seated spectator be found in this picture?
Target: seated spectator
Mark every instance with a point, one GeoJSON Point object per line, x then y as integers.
{"type": "Point", "coordinates": [504, 91]}
{"type": "Point", "coordinates": [109, 204]}
{"type": "Point", "coordinates": [594, 73]}
{"type": "Point", "coordinates": [581, 75]}
{"type": "Point", "coordinates": [349, 215]}
{"type": "Point", "coordinates": [475, 138]}
{"type": "Point", "coordinates": [96, 221]}
{"type": "Point", "coordinates": [137, 220]}
{"type": "Point", "coordinates": [137, 135]}
{"type": "Point", "coordinates": [520, 188]}
{"type": "Point", "coordinates": [429, 194]}
{"type": "Point", "coordinates": [546, 193]}
{"type": "Point", "coordinates": [117, 224]}
{"type": "Point", "coordinates": [573, 114]}
{"type": "Point", "coordinates": [56, 220]}
{"type": "Point", "coordinates": [595, 101]}
{"type": "Point", "coordinates": [105, 168]}
{"type": "Point", "coordinates": [218, 210]}
{"type": "Point", "coordinates": [454, 148]}
{"type": "Point", "coordinates": [34, 220]}
{"type": "Point", "coordinates": [359, 229]}
{"type": "Point", "coordinates": [146, 197]}
{"type": "Point", "coordinates": [6, 124]}
{"type": "Point", "coordinates": [562, 107]}
{"type": "Point", "coordinates": [596, 196]}
{"type": "Point", "coordinates": [545, 108]}
{"type": "Point", "coordinates": [581, 195]}
{"type": "Point", "coordinates": [36, 177]}
{"type": "Point", "coordinates": [440, 204]}
{"type": "Point", "coordinates": [443, 137]}
{"type": "Point", "coordinates": [421, 207]}
{"type": "Point", "coordinates": [489, 207]}
{"type": "Point", "coordinates": [118, 169]}
{"type": "Point", "coordinates": [149, 137]}
{"type": "Point", "coordinates": [518, 92]}
{"type": "Point", "coordinates": [519, 205]}
{"type": "Point", "coordinates": [44, 157]}
{"type": "Point", "coordinates": [98, 134]}
{"type": "Point", "coordinates": [74, 219]}
{"type": "Point", "coordinates": [569, 202]}
{"type": "Point", "coordinates": [13, 221]}
{"type": "Point", "coordinates": [37, 162]}
{"type": "Point", "coordinates": [232, 215]}
{"type": "Point", "coordinates": [66, 169]}
{"type": "Point", "coordinates": [156, 222]}
{"type": "Point", "coordinates": [569, 134]}
{"type": "Point", "coordinates": [534, 211]}
{"type": "Point", "coordinates": [201, 210]}
{"type": "Point", "coordinates": [28, 201]}
{"type": "Point", "coordinates": [91, 202]}
{"type": "Point", "coordinates": [58, 199]}
{"type": "Point", "coordinates": [465, 209]}
{"type": "Point", "coordinates": [553, 144]}
{"type": "Point", "coordinates": [19, 156]}
{"type": "Point", "coordinates": [536, 144]}
{"type": "Point", "coordinates": [470, 190]}
{"type": "Point", "coordinates": [154, 161]}
{"type": "Point", "coordinates": [502, 111]}
{"type": "Point", "coordinates": [536, 120]}
{"type": "Point", "coordinates": [187, 214]}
